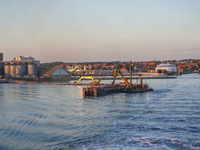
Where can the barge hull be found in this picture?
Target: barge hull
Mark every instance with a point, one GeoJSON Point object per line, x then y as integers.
{"type": "Point", "coordinates": [100, 91]}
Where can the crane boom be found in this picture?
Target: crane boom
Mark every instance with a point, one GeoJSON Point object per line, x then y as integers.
{"type": "Point", "coordinates": [87, 77]}
{"type": "Point", "coordinates": [115, 75]}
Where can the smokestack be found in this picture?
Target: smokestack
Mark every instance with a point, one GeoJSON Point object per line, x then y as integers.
{"type": "Point", "coordinates": [1, 56]}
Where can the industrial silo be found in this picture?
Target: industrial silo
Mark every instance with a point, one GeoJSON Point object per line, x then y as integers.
{"type": "Point", "coordinates": [1, 69]}
{"type": "Point", "coordinates": [7, 69]}
{"type": "Point", "coordinates": [32, 69]}
{"type": "Point", "coordinates": [12, 69]}
{"type": "Point", "coordinates": [20, 69]}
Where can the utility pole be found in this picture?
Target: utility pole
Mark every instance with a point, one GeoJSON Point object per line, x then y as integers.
{"type": "Point", "coordinates": [130, 72]}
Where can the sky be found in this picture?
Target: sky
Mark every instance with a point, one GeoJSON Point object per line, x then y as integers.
{"type": "Point", "coordinates": [100, 30]}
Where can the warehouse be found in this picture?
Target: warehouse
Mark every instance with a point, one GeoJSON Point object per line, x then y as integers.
{"type": "Point", "coordinates": [166, 68]}
{"type": "Point", "coordinates": [57, 73]}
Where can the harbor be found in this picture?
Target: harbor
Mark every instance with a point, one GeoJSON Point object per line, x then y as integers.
{"type": "Point", "coordinates": [98, 88]}
{"type": "Point", "coordinates": [71, 82]}
{"type": "Point", "coordinates": [43, 116]}
{"type": "Point", "coordinates": [99, 75]}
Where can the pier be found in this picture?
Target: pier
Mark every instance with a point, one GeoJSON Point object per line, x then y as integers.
{"type": "Point", "coordinates": [3, 81]}
{"type": "Point", "coordinates": [75, 78]}
{"type": "Point", "coordinates": [95, 88]}
{"type": "Point", "coordinates": [136, 77]}
{"type": "Point", "coordinates": [52, 83]}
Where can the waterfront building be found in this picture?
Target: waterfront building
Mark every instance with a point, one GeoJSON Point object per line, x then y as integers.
{"type": "Point", "coordinates": [20, 58]}
{"type": "Point", "coordinates": [21, 67]}
{"type": "Point", "coordinates": [124, 71]}
{"type": "Point", "coordinates": [99, 72]}
{"type": "Point", "coordinates": [57, 73]}
{"type": "Point", "coordinates": [30, 59]}
{"type": "Point", "coordinates": [166, 68]}
{"type": "Point", "coordinates": [1, 68]}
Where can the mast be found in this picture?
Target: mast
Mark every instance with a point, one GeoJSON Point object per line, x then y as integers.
{"type": "Point", "coordinates": [130, 72]}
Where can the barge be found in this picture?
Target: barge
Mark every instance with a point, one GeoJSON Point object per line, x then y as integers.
{"type": "Point", "coordinates": [125, 87]}
{"type": "Point", "coordinates": [116, 88]}
{"type": "Point", "coordinates": [102, 90]}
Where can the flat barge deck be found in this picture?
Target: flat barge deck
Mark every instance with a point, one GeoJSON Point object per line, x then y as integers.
{"type": "Point", "coordinates": [104, 90]}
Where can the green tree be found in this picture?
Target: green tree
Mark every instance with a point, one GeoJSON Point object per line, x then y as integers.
{"type": "Point", "coordinates": [128, 68]}
{"type": "Point", "coordinates": [198, 64]}
{"type": "Point", "coordinates": [98, 67]}
{"type": "Point", "coordinates": [109, 64]}
{"type": "Point", "coordinates": [119, 66]}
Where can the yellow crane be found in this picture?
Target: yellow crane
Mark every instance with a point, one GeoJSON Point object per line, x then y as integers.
{"type": "Point", "coordinates": [94, 81]}
{"type": "Point", "coordinates": [129, 86]}
{"type": "Point", "coordinates": [115, 75]}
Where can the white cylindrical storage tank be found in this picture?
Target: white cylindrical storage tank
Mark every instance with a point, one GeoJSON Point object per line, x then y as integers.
{"type": "Point", "coordinates": [32, 69]}
{"type": "Point", "coordinates": [7, 69]}
{"type": "Point", "coordinates": [20, 69]}
{"type": "Point", "coordinates": [12, 70]}
{"type": "Point", "coordinates": [1, 68]}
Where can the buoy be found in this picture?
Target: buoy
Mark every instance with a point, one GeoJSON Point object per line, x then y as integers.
{"type": "Point", "coordinates": [167, 84]}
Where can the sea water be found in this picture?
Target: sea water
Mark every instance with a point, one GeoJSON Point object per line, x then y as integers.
{"type": "Point", "coordinates": [58, 117]}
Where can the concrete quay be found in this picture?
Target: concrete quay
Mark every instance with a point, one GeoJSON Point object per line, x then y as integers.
{"type": "Point", "coordinates": [127, 77]}
{"type": "Point", "coordinates": [76, 78]}
{"type": "Point", "coordinates": [52, 83]}
{"type": "Point", "coordinates": [3, 81]}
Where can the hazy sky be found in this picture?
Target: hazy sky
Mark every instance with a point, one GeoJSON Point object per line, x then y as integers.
{"type": "Point", "coordinates": [100, 30]}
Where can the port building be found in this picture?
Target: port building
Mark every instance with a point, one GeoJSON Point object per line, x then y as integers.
{"type": "Point", "coordinates": [166, 68]}
{"type": "Point", "coordinates": [57, 73]}
{"type": "Point", "coordinates": [20, 67]}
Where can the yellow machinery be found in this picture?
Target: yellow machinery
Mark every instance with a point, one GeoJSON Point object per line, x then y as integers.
{"type": "Point", "coordinates": [94, 81]}
{"type": "Point", "coordinates": [115, 75]}
{"type": "Point", "coordinates": [129, 85]}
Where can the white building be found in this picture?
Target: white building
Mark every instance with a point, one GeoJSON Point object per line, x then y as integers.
{"type": "Point", "coordinates": [21, 67]}
{"type": "Point", "coordinates": [57, 73]}
{"type": "Point", "coordinates": [22, 58]}
{"type": "Point", "coordinates": [166, 68]}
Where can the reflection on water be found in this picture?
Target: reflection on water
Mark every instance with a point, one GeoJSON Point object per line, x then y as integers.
{"type": "Point", "coordinates": [58, 117]}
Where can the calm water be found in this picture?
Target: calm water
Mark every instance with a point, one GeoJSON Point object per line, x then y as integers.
{"type": "Point", "coordinates": [58, 117]}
